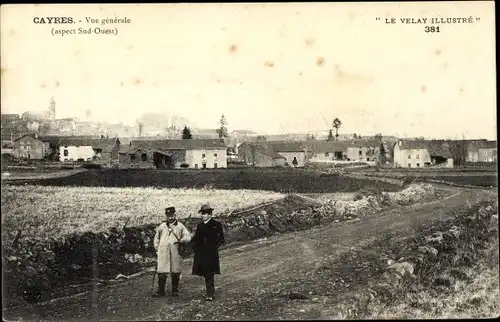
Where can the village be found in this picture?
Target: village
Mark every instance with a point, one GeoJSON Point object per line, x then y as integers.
{"type": "Point", "coordinates": [33, 137]}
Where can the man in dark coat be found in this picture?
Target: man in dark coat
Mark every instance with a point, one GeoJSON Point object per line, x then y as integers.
{"type": "Point", "coordinates": [207, 239]}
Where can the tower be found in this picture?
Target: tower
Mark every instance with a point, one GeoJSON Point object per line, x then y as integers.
{"type": "Point", "coordinates": [52, 109]}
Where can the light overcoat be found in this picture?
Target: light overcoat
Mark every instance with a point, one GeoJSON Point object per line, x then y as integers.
{"type": "Point", "coordinates": [169, 260]}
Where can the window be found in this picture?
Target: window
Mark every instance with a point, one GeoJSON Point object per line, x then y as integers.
{"type": "Point", "coordinates": [367, 159]}
{"type": "Point", "coordinates": [65, 153]}
{"type": "Point", "coordinates": [196, 165]}
{"type": "Point", "coordinates": [144, 157]}
{"type": "Point", "coordinates": [215, 165]}
{"type": "Point", "coordinates": [409, 157]}
{"type": "Point", "coordinates": [360, 152]}
{"type": "Point", "coordinates": [418, 165]}
{"type": "Point", "coordinates": [132, 157]}
{"type": "Point", "coordinates": [203, 156]}
{"type": "Point", "coordinates": [204, 165]}
{"type": "Point", "coordinates": [418, 156]}
{"type": "Point", "coordinates": [215, 155]}
{"type": "Point", "coordinates": [326, 154]}
{"type": "Point", "coordinates": [409, 165]}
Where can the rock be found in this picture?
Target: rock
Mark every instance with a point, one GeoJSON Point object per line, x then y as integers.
{"type": "Point", "coordinates": [494, 220]}
{"type": "Point", "coordinates": [428, 250]}
{"type": "Point", "coordinates": [199, 316]}
{"type": "Point", "coordinates": [436, 237]}
{"type": "Point", "coordinates": [402, 268]}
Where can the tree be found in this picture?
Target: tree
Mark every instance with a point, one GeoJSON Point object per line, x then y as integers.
{"type": "Point", "coordinates": [186, 133]}
{"type": "Point", "coordinates": [222, 131]}
{"type": "Point", "coordinates": [336, 125]}
{"type": "Point", "coordinates": [378, 137]}
{"type": "Point", "coordinates": [330, 136]}
{"type": "Point", "coordinates": [172, 132]}
{"type": "Point", "coordinates": [141, 127]}
{"type": "Point", "coordinates": [355, 136]}
{"type": "Point", "coordinates": [261, 138]}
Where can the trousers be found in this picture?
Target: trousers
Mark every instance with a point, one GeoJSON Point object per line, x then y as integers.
{"type": "Point", "coordinates": [210, 285]}
{"type": "Point", "coordinates": [162, 281]}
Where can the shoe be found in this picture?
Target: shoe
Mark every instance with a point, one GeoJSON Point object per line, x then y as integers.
{"type": "Point", "coordinates": [157, 294]}
{"type": "Point", "coordinates": [209, 299]}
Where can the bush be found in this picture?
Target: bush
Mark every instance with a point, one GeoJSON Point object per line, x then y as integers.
{"type": "Point", "coordinates": [184, 165]}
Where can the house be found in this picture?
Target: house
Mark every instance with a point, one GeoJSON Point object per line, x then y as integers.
{"type": "Point", "coordinates": [192, 153]}
{"type": "Point", "coordinates": [8, 147]}
{"type": "Point", "coordinates": [30, 146]}
{"type": "Point", "coordinates": [259, 154]}
{"type": "Point", "coordinates": [268, 153]}
{"type": "Point", "coordinates": [326, 151]}
{"type": "Point", "coordinates": [422, 153]}
{"type": "Point", "coordinates": [362, 150]}
{"type": "Point", "coordinates": [294, 152]}
{"type": "Point", "coordinates": [482, 151]}
{"type": "Point", "coordinates": [100, 150]}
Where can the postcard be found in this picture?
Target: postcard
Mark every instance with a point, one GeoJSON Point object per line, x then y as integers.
{"type": "Point", "coordinates": [242, 161]}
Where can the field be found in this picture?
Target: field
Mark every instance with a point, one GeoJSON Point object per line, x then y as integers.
{"type": "Point", "coordinates": [269, 179]}
{"type": "Point", "coordinates": [57, 211]}
{"type": "Point", "coordinates": [473, 178]}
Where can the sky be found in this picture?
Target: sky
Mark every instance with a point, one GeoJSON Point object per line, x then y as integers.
{"type": "Point", "coordinates": [270, 68]}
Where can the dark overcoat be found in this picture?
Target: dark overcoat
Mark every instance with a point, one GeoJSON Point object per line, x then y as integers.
{"type": "Point", "coordinates": [206, 242]}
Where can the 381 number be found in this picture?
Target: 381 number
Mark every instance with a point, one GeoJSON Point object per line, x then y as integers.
{"type": "Point", "coordinates": [431, 29]}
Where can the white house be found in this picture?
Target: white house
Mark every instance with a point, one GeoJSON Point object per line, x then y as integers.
{"type": "Point", "coordinates": [190, 153]}
{"type": "Point", "coordinates": [421, 153]}
{"type": "Point", "coordinates": [83, 149]}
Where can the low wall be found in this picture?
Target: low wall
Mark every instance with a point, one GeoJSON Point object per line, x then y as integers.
{"type": "Point", "coordinates": [46, 265]}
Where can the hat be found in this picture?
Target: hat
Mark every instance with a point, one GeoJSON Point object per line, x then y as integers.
{"type": "Point", "coordinates": [169, 211]}
{"type": "Point", "coordinates": [205, 208]}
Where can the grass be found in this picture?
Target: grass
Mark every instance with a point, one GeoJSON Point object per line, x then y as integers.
{"type": "Point", "coordinates": [279, 180]}
{"type": "Point", "coordinates": [57, 211]}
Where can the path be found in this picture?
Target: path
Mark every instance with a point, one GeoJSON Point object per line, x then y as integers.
{"type": "Point", "coordinates": [255, 265]}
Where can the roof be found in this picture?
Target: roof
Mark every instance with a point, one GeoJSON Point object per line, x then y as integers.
{"type": "Point", "coordinates": [325, 146]}
{"type": "Point", "coordinates": [363, 143]}
{"type": "Point", "coordinates": [485, 144]}
{"type": "Point", "coordinates": [267, 150]}
{"type": "Point", "coordinates": [435, 148]}
{"type": "Point", "coordinates": [32, 135]}
{"type": "Point", "coordinates": [191, 144]}
{"type": "Point", "coordinates": [413, 144]}
{"type": "Point", "coordinates": [287, 146]}
{"type": "Point", "coordinates": [106, 144]}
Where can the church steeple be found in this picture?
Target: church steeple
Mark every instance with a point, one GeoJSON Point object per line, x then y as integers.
{"type": "Point", "coordinates": [52, 108]}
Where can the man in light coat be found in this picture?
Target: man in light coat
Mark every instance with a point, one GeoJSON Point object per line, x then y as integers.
{"type": "Point", "coordinates": [166, 242]}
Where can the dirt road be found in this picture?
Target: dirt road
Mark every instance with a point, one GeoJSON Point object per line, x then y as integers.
{"type": "Point", "coordinates": [248, 272]}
